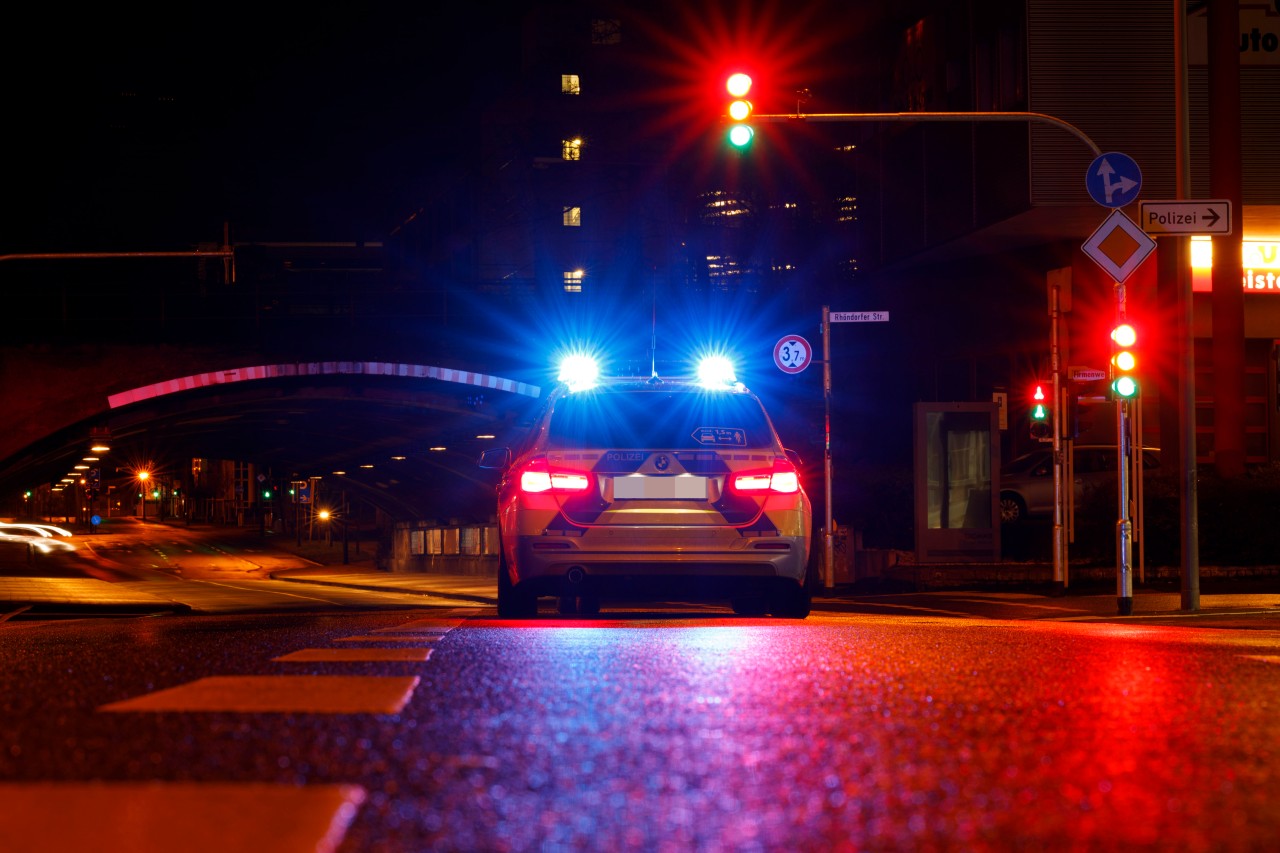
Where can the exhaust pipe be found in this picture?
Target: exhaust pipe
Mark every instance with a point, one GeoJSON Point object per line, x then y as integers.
{"type": "Point", "coordinates": [576, 575]}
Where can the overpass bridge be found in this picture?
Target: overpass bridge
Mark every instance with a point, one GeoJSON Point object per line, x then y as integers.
{"type": "Point", "coordinates": [393, 436]}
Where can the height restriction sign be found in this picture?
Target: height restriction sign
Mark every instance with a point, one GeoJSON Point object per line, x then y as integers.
{"type": "Point", "coordinates": [792, 354]}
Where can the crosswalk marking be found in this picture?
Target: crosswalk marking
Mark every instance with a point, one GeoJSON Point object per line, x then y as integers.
{"type": "Point", "coordinates": [195, 817]}
{"type": "Point", "coordinates": [303, 694]}
{"type": "Point", "coordinates": [424, 626]}
{"type": "Point", "coordinates": [354, 654]}
{"type": "Point", "coordinates": [387, 638]}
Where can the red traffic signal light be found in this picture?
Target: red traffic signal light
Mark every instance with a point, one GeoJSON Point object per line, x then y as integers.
{"type": "Point", "coordinates": [738, 85]}
{"type": "Point", "coordinates": [1041, 420]}
{"type": "Point", "coordinates": [1124, 362]}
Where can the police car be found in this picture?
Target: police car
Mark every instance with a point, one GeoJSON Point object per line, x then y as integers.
{"type": "Point", "coordinates": [652, 488]}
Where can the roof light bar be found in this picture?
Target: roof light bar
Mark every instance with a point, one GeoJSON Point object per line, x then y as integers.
{"type": "Point", "coordinates": [579, 371]}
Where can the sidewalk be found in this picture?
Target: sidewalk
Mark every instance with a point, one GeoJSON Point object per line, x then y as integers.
{"type": "Point", "coordinates": [361, 572]}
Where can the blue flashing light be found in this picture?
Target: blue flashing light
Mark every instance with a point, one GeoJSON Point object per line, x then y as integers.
{"type": "Point", "coordinates": [580, 372]}
{"type": "Point", "coordinates": [716, 372]}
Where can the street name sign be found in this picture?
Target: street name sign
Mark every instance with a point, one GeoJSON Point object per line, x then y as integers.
{"type": "Point", "coordinates": [859, 316]}
{"type": "Point", "coordinates": [792, 354]}
{"type": "Point", "coordinates": [1185, 216]}
{"type": "Point", "coordinates": [1118, 246]}
{"type": "Point", "coordinates": [1086, 374]}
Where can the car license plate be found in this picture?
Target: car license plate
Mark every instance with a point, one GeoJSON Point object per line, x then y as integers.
{"type": "Point", "coordinates": [680, 487]}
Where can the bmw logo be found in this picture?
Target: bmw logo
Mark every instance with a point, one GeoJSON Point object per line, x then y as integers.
{"type": "Point", "coordinates": [662, 463]}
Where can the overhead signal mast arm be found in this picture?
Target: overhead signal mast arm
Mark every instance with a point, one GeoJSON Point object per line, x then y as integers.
{"type": "Point", "coordinates": [935, 116]}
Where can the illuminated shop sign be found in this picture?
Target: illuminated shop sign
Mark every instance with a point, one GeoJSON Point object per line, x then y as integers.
{"type": "Point", "coordinates": [1259, 35]}
{"type": "Point", "coordinates": [1261, 261]}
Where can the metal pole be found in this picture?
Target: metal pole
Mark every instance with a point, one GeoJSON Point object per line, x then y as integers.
{"type": "Point", "coordinates": [828, 537]}
{"type": "Point", "coordinates": [1124, 524]}
{"type": "Point", "coordinates": [1059, 544]}
{"type": "Point", "coordinates": [1186, 338]}
{"type": "Point", "coordinates": [987, 116]}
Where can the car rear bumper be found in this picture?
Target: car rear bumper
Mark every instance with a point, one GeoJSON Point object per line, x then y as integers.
{"type": "Point", "coordinates": [548, 563]}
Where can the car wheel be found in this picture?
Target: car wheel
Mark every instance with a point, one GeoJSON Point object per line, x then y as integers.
{"type": "Point", "coordinates": [1012, 508]}
{"type": "Point", "coordinates": [513, 603]}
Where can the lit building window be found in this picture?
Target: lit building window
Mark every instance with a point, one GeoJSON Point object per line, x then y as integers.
{"type": "Point", "coordinates": [606, 31]}
{"type": "Point", "coordinates": [722, 208]}
{"type": "Point", "coordinates": [570, 84]}
{"type": "Point", "coordinates": [722, 266]}
{"type": "Point", "coordinates": [571, 149]}
{"type": "Point", "coordinates": [847, 209]}
{"type": "Point", "coordinates": [573, 281]}
{"type": "Point", "coordinates": [572, 216]}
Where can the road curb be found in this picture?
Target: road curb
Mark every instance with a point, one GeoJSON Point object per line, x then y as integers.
{"type": "Point", "coordinates": [432, 593]}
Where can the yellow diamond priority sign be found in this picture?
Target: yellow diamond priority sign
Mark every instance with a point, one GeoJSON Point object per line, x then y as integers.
{"type": "Point", "coordinates": [1119, 246]}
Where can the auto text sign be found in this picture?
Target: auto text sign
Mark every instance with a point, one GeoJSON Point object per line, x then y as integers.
{"type": "Point", "coordinates": [792, 354]}
{"type": "Point", "coordinates": [859, 316]}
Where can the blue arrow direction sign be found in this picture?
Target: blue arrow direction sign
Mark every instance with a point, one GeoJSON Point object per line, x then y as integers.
{"type": "Point", "coordinates": [1113, 179]}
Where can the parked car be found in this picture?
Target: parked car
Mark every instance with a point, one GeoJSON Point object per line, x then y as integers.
{"type": "Point", "coordinates": [649, 487]}
{"type": "Point", "coordinates": [1026, 483]}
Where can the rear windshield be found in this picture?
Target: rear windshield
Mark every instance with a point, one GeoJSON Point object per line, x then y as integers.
{"type": "Point", "coordinates": [656, 420]}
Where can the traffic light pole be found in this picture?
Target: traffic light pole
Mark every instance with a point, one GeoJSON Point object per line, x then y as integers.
{"type": "Point", "coordinates": [1124, 467]}
{"type": "Point", "coordinates": [1059, 412]}
{"type": "Point", "coordinates": [828, 535]}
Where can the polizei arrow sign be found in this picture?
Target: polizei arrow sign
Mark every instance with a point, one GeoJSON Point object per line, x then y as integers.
{"type": "Point", "coordinates": [1189, 216]}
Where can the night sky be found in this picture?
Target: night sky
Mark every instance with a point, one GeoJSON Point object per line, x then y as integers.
{"type": "Point", "coordinates": [144, 129]}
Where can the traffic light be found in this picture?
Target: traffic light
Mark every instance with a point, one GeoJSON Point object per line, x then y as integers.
{"type": "Point", "coordinates": [1041, 414]}
{"type": "Point", "coordinates": [1124, 362]}
{"type": "Point", "coordinates": [739, 86]}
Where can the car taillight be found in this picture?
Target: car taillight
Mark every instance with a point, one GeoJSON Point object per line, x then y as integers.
{"type": "Point", "coordinates": [782, 479]}
{"type": "Point", "coordinates": [538, 477]}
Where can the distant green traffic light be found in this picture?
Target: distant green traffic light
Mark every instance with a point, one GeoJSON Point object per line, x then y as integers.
{"type": "Point", "coordinates": [1041, 425]}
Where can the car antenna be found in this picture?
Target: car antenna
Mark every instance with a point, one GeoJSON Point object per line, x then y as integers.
{"type": "Point", "coordinates": [653, 342]}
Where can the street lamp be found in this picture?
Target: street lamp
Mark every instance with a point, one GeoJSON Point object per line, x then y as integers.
{"type": "Point", "coordinates": [143, 476]}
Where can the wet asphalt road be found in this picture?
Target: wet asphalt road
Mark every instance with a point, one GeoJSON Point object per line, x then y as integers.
{"type": "Point", "coordinates": [679, 730]}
